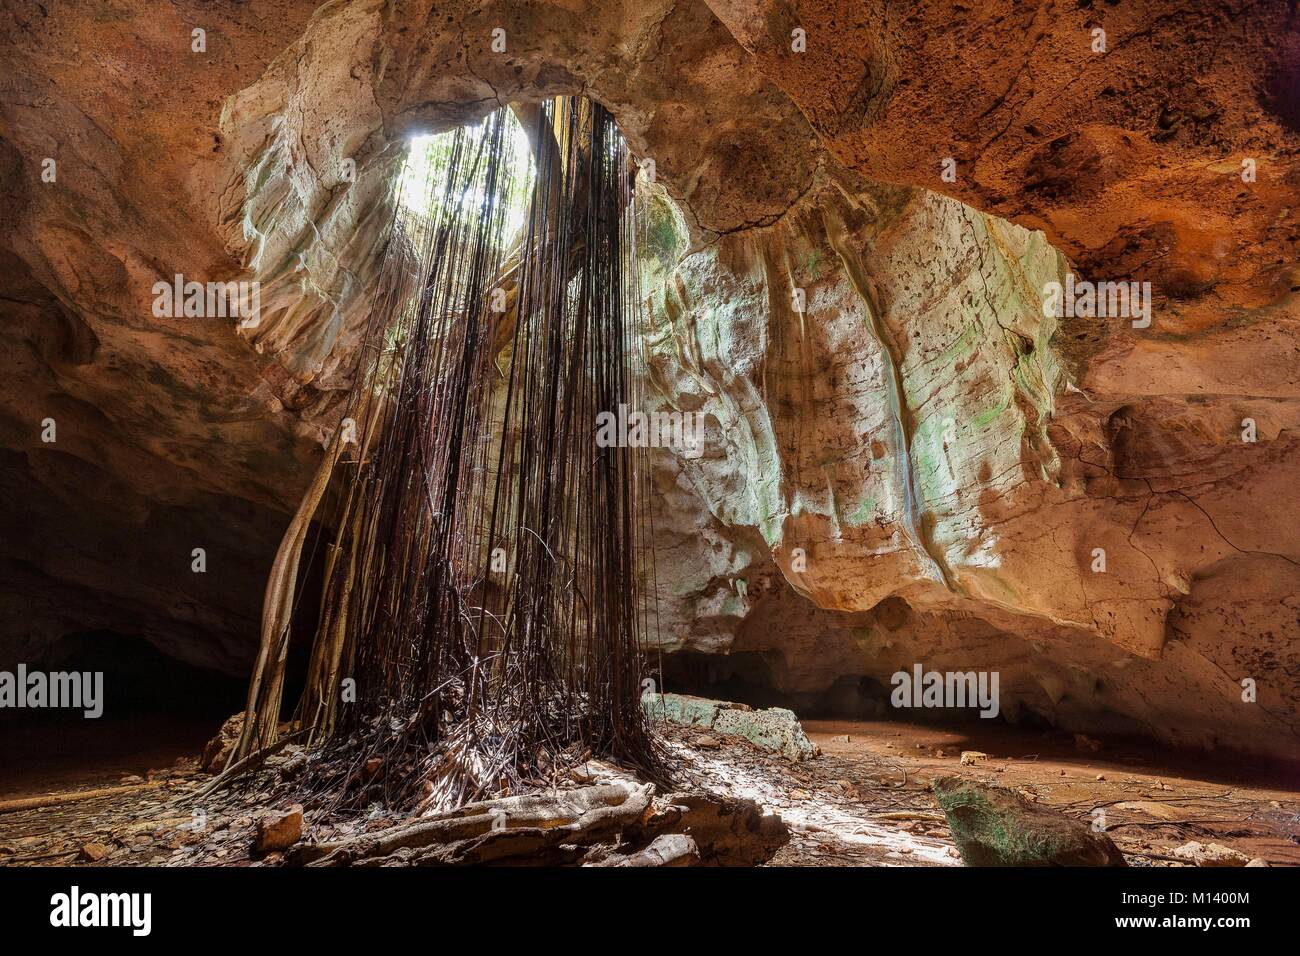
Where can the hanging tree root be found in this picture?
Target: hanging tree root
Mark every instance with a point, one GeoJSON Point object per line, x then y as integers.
{"type": "Point", "coordinates": [614, 824]}
{"type": "Point", "coordinates": [465, 455]}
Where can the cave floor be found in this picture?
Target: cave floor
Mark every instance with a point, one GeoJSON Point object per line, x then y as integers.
{"type": "Point", "coordinates": [862, 802]}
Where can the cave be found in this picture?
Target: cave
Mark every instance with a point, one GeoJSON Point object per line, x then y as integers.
{"type": "Point", "coordinates": [971, 334]}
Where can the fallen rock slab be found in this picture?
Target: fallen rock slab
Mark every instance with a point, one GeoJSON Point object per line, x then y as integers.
{"type": "Point", "coordinates": [687, 710]}
{"type": "Point", "coordinates": [775, 729]}
{"type": "Point", "coordinates": [993, 826]}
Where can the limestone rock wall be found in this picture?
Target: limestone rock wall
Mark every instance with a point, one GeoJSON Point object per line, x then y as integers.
{"type": "Point", "coordinates": [913, 441]}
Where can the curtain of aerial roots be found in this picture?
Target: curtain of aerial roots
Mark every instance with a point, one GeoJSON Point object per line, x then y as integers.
{"type": "Point", "coordinates": [482, 588]}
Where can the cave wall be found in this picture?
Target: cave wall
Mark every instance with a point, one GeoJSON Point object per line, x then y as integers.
{"type": "Point", "coordinates": [928, 438]}
{"type": "Point", "coordinates": [970, 489]}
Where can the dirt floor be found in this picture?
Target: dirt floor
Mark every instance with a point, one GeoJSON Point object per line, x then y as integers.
{"type": "Point", "coordinates": [864, 801]}
{"type": "Point", "coordinates": [52, 756]}
{"type": "Point", "coordinates": [1147, 800]}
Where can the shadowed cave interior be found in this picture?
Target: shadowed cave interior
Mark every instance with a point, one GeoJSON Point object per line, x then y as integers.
{"type": "Point", "coordinates": [906, 460]}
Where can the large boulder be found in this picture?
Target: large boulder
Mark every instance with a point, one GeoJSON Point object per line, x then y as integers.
{"type": "Point", "coordinates": [994, 826]}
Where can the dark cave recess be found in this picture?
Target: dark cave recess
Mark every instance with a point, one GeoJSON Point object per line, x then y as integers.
{"type": "Point", "coordinates": [138, 680]}
{"type": "Point", "coordinates": [747, 677]}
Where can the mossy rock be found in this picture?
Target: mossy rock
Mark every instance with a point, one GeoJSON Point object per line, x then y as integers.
{"type": "Point", "coordinates": [685, 709]}
{"type": "Point", "coordinates": [993, 826]}
{"type": "Point", "coordinates": [775, 728]}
